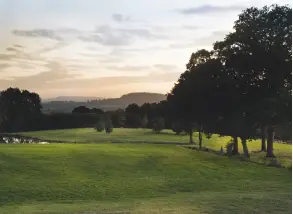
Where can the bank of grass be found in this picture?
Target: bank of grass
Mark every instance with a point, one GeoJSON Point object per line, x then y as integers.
{"type": "Point", "coordinates": [283, 152]}
{"type": "Point", "coordinates": [135, 178]}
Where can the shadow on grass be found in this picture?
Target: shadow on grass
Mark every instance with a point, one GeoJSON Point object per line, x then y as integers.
{"type": "Point", "coordinates": [149, 142]}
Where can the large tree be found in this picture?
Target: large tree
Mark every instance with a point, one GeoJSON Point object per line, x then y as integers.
{"type": "Point", "coordinates": [192, 97]}
{"type": "Point", "coordinates": [258, 55]}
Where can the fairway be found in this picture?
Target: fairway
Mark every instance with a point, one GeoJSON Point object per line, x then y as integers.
{"type": "Point", "coordinates": [124, 135]}
{"type": "Point", "coordinates": [135, 178]}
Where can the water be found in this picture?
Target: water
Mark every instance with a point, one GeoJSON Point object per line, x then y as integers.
{"type": "Point", "coordinates": [20, 140]}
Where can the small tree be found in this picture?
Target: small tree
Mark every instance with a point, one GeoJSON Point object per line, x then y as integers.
{"type": "Point", "coordinates": [109, 127]}
{"type": "Point", "coordinates": [177, 127]}
{"type": "Point", "coordinates": [144, 121]}
{"type": "Point", "coordinates": [158, 125]}
{"type": "Point", "coordinates": [100, 126]}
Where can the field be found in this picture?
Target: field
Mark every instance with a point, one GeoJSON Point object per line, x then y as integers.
{"type": "Point", "coordinates": [101, 177]}
{"type": "Point", "coordinates": [282, 151]}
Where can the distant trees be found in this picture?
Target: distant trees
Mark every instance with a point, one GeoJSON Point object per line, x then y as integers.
{"type": "Point", "coordinates": [133, 118]}
{"type": "Point", "coordinates": [18, 109]}
{"type": "Point", "coordinates": [241, 88]}
{"type": "Point", "coordinates": [96, 111]}
{"type": "Point", "coordinates": [117, 117]}
{"type": "Point", "coordinates": [100, 126]}
{"type": "Point", "coordinates": [108, 126]}
{"type": "Point", "coordinates": [158, 124]}
{"type": "Point", "coordinates": [85, 110]}
{"type": "Point", "coordinates": [144, 121]}
{"type": "Point", "coordinates": [81, 110]}
{"type": "Point", "coordinates": [104, 123]}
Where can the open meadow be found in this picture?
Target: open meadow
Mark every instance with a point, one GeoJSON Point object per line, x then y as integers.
{"type": "Point", "coordinates": [124, 135]}
{"type": "Point", "coordinates": [97, 176]}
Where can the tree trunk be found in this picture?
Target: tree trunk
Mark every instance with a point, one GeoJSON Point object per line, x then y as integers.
{"type": "Point", "coordinates": [200, 136]}
{"type": "Point", "coordinates": [270, 142]}
{"type": "Point", "coordinates": [235, 146]}
{"type": "Point", "coordinates": [263, 139]}
{"type": "Point", "coordinates": [190, 136]}
{"type": "Point", "coordinates": [245, 148]}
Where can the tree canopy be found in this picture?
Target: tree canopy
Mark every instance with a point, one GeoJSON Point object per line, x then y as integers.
{"type": "Point", "coordinates": [244, 83]}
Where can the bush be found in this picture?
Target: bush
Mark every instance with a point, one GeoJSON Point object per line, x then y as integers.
{"type": "Point", "coordinates": [177, 127]}
{"type": "Point", "coordinates": [109, 126]}
{"type": "Point", "coordinates": [144, 121]}
{"type": "Point", "coordinates": [100, 126]}
{"type": "Point", "coordinates": [158, 125]}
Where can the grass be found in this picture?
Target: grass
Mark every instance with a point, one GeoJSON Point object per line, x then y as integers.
{"type": "Point", "coordinates": [87, 135]}
{"type": "Point", "coordinates": [135, 178]}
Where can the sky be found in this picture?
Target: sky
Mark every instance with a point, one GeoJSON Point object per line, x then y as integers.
{"type": "Point", "coordinates": [107, 48]}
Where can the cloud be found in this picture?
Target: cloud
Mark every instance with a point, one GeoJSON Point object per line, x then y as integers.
{"type": "Point", "coordinates": [110, 60]}
{"type": "Point", "coordinates": [14, 53]}
{"type": "Point", "coordinates": [71, 31]}
{"type": "Point", "coordinates": [206, 8]}
{"type": "Point", "coordinates": [142, 33]}
{"type": "Point", "coordinates": [109, 36]}
{"type": "Point", "coordinates": [55, 73]}
{"type": "Point", "coordinates": [52, 82]}
{"type": "Point", "coordinates": [120, 18]}
{"type": "Point", "coordinates": [11, 49]}
{"type": "Point", "coordinates": [127, 68]}
{"type": "Point", "coordinates": [56, 46]}
{"type": "Point", "coordinates": [104, 35]}
{"type": "Point", "coordinates": [38, 33]}
{"type": "Point", "coordinates": [18, 46]}
{"type": "Point", "coordinates": [190, 27]}
{"type": "Point", "coordinates": [108, 39]}
{"type": "Point", "coordinates": [3, 66]}
{"type": "Point", "coordinates": [165, 67]}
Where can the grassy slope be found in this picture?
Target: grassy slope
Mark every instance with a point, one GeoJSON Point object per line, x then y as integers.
{"type": "Point", "coordinates": [141, 178]}
{"type": "Point", "coordinates": [283, 151]}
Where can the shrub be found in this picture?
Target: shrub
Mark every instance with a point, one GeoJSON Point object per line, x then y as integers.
{"type": "Point", "coordinates": [100, 126]}
{"type": "Point", "coordinates": [158, 125]}
{"type": "Point", "coordinates": [208, 135]}
{"type": "Point", "coordinates": [109, 127]}
{"type": "Point", "coordinates": [177, 127]}
{"type": "Point", "coordinates": [144, 121]}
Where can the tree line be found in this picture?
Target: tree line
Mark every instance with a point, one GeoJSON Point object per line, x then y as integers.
{"type": "Point", "coordinates": [21, 110]}
{"type": "Point", "coordinates": [241, 88]}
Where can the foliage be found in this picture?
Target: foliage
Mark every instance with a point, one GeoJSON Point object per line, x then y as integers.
{"type": "Point", "coordinates": [18, 109]}
{"type": "Point", "coordinates": [208, 135]}
{"type": "Point", "coordinates": [100, 126]}
{"type": "Point", "coordinates": [177, 127]}
{"type": "Point", "coordinates": [245, 80]}
{"type": "Point", "coordinates": [108, 126]}
{"type": "Point", "coordinates": [81, 110]}
{"type": "Point", "coordinates": [158, 125]}
{"type": "Point", "coordinates": [133, 120]}
{"type": "Point", "coordinates": [144, 121]}
{"type": "Point", "coordinates": [96, 111]}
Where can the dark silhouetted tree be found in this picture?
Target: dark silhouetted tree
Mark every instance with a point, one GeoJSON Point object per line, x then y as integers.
{"type": "Point", "coordinates": [81, 110]}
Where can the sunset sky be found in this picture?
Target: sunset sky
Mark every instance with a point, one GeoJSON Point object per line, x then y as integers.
{"type": "Point", "coordinates": [107, 48]}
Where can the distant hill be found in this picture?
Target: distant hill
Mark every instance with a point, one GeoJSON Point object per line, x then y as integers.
{"type": "Point", "coordinates": [68, 104]}
{"type": "Point", "coordinates": [71, 98]}
{"type": "Point", "coordinates": [141, 98]}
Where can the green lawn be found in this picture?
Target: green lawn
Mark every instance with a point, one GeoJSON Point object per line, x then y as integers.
{"type": "Point", "coordinates": [88, 135]}
{"type": "Point", "coordinates": [135, 178]}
